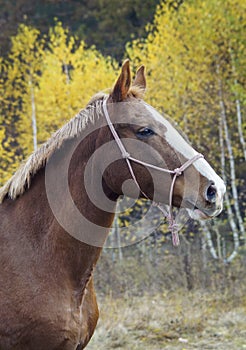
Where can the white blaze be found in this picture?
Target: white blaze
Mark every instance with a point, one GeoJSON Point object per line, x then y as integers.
{"type": "Point", "coordinates": [178, 143]}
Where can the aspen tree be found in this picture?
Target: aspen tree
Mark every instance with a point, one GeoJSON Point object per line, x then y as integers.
{"type": "Point", "coordinates": [183, 49]}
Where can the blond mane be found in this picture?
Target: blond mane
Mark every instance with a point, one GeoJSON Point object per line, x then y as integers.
{"type": "Point", "coordinates": [21, 180]}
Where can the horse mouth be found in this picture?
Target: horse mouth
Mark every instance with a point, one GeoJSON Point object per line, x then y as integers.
{"type": "Point", "coordinates": [198, 214]}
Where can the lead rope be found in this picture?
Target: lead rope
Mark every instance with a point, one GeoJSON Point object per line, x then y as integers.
{"type": "Point", "coordinates": [172, 225]}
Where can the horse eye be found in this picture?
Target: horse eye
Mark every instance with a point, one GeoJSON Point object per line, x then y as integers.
{"type": "Point", "coordinates": [145, 132]}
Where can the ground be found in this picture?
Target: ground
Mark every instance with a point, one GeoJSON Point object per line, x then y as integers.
{"type": "Point", "coordinates": [179, 320]}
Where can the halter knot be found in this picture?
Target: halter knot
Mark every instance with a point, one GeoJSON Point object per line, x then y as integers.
{"type": "Point", "coordinates": [173, 226]}
{"type": "Point", "coordinates": [125, 155]}
{"type": "Point", "coordinates": [178, 171]}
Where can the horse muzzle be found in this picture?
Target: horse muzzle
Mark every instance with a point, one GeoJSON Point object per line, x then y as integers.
{"type": "Point", "coordinates": [198, 214]}
{"type": "Point", "coordinates": [210, 205]}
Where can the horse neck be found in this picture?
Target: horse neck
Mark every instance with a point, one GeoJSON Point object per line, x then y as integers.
{"type": "Point", "coordinates": [88, 222]}
{"type": "Point", "coordinates": [67, 238]}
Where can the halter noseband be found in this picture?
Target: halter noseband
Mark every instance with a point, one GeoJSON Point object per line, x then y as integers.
{"type": "Point", "coordinates": [173, 227]}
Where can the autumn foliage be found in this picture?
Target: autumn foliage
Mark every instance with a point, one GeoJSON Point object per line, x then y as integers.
{"type": "Point", "coordinates": [195, 59]}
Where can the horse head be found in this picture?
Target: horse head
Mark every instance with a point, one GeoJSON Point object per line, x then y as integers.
{"type": "Point", "coordinates": [152, 152]}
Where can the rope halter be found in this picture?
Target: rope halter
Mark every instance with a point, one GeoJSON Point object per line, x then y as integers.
{"type": "Point", "coordinates": [172, 225]}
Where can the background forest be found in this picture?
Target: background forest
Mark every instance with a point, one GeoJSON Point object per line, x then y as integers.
{"type": "Point", "coordinates": [54, 56]}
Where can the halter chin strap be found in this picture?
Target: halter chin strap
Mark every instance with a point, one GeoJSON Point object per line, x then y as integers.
{"type": "Point", "coordinates": [173, 227]}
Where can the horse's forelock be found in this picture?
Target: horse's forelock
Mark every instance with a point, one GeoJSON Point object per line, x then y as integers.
{"type": "Point", "coordinates": [135, 91]}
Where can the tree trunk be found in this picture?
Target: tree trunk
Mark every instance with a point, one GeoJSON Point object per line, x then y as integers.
{"type": "Point", "coordinates": [209, 241]}
{"type": "Point", "coordinates": [118, 238]}
{"type": "Point", "coordinates": [188, 269]}
{"type": "Point", "coordinates": [66, 71]}
{"type": "Point", "coordinates": [240, 129]}
{"type": "Point", "coordinates": [227, 200]}
{"type": "Point", "coordinates": [231, 158]}
{"type": "Point", "coordinates": [238, 105]}
{"type": "Point", "coordinates": [34, 120]}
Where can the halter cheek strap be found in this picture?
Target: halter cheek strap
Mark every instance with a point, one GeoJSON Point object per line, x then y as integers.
{"type": "Point", "coordinates": [173, 227]}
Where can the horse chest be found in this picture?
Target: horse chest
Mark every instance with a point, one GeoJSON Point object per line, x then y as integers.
{"type": "Point", "coordinates": [77, 323]}
{"type": "Point", "coordinates": [62, 328]}
{"type": "Point", "coordinates": [67, 326]}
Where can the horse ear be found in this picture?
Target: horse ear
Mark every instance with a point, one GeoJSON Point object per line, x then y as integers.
{"type": "Point", "coordinates": [140, 79]}
{"type": "Point", "coordinates": [123, 83]}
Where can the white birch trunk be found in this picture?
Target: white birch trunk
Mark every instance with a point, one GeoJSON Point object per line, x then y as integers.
{"type": "Point", "coordinates": [34, 120]}
{"type": "Point", "coordinates": [117, 233]}
{"type": "Point", "coordinates": [117, 230]}
{"type": "Point", "coordinates": [238, 106]}
{"type": "Point", "coordinates": [240, 129]}
{"type": "Point", "coordinates": [227, 200]}
{"type": "Point", "coordinates": [231, 159]}
{"type": "Point", "coordinates": [218, 238]}
{"type": "Point", "coordinates": [110, 245]}
{"type": "Point", "coordinates": [233, 228]}
{"type": "Point", "coordinates": [204, 260]}
{"type": "Point", "coordinates": [209, 241]}
{"type": "Point", "coordinates": [66, 72]}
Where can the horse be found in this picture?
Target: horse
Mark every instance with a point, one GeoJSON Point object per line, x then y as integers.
{"type": "Point", "coordinates": [57, 209]}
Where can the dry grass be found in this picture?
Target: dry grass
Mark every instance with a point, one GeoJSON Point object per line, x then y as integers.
{"type": "Point", "coordinates": [177, 320]}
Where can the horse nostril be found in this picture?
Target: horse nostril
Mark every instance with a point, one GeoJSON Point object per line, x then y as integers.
{"type": "Point", "coordinates": [211, 193]}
